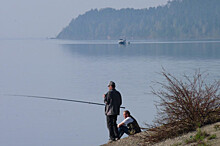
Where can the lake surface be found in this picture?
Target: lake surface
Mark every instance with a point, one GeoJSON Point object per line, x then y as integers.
{"type": "Point", "coordinates": [81, 70]}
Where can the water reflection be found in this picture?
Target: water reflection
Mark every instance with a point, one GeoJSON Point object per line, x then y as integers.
{"type": "Point", "coordinates": [175, 51]}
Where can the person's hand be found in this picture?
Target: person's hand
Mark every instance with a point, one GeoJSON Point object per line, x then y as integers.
{"type": "Point", "coordinates": [103, 95]}
{"type": "Point", "coordinates": [118, 126]}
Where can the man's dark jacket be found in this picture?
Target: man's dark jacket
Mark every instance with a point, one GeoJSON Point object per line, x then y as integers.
{"type": "Point", "coordinates": [113, 102]}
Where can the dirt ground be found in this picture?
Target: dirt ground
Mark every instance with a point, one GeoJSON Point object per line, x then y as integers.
{"type": "Point", "coordinates": [137, 140]}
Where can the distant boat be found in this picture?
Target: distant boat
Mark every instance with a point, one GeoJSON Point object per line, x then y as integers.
{"type": "Point", "coordinates": [122, 41]}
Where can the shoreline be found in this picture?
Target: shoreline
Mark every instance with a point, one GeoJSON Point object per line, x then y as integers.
{"type": "Point", "coordinates": [138, 139]}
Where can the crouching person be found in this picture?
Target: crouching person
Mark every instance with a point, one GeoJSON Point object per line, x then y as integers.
{"type": "Point", "coordinates": [129, 125]}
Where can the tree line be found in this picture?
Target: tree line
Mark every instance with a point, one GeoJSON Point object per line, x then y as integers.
{"type": "Point", "coordinates": [178, 19]}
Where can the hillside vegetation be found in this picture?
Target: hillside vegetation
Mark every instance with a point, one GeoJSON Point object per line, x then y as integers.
{"type": "Point", "coordinates": [178, 19]}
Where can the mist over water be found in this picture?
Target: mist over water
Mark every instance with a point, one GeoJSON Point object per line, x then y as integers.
{"type": "Point", "coordinates": [81, 70]}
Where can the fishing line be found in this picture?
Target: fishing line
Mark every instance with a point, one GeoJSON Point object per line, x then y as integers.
{"type": "Point", "coordinates": [61, 99]}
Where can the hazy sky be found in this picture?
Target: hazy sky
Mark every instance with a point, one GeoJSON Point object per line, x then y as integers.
{"type": "Point", "coordinates": [46, 18]}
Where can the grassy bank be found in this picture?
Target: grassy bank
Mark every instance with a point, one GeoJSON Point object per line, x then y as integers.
{"type": "Point", "coordinates": [207, 135]}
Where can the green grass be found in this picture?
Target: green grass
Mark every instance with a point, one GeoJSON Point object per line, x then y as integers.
{"type": "Point", "coordinates": [198, 138]}
{"type": "Point", "coordinates": [217, 127]}
{"type": "Point", "coordinates": [213, 136]}
{"type": "Point", "coordinates": [176, 144]}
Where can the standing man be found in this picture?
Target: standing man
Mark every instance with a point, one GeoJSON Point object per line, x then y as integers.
{"type": "Point", "coordinates": [112, 100]}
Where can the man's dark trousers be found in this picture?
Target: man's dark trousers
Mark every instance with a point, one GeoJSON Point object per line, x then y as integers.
{"type": "Point", "coordinates": [112, 126]}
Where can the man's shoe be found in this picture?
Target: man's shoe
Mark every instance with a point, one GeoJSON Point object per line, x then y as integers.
{"type": "Point", "coordinates": [117, 138]}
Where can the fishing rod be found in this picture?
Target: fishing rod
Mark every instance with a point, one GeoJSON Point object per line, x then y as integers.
{"type": "Point", "coordinates": [62, 99]}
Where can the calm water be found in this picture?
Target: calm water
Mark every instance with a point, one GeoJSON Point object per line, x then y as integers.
{"type": "Point", "coordinates": [81, 70]}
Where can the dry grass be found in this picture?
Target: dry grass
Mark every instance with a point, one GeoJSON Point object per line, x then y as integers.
{"type": "Point", "coordinates": [138, 139]}
{"type": "Point", "coordinates": [195, 138]}
{"type": "Point", "coordinates": [184, 106]}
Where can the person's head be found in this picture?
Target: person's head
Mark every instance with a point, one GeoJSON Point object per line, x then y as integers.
{"type": "Point", "coordinates": [111, 85]}
{"type": "Point", "coordinates": [126, 114]}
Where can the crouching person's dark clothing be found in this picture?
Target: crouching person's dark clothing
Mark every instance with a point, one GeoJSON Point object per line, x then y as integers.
{"type": "Point", "coordinates": [130, 127]}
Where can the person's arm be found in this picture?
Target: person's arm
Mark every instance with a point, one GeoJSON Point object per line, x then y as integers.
{"type": "Point", "coordinates": [120, 124]}
{"type": "Point", "coordinates": [125, 121]}
{"type": "Point", "coordinates": [107, 98]}
{"type": "Point", "coordinates": [120, 99]}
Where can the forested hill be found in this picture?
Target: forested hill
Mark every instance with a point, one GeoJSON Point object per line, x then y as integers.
{"type": "Point", "coordinates": [178, 19]}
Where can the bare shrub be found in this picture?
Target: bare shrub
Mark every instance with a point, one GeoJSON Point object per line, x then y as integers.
{"type": "Point", "coordinates": [184, 105]}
